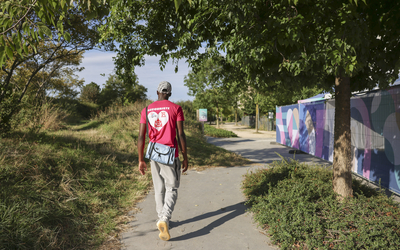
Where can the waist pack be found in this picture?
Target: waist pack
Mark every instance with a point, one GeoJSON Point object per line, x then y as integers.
{"type": "Point", "coordinates": [160, 153]}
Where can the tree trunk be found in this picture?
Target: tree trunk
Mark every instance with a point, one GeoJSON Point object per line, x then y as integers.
{"type": "Point", "coordinates": [342, 183]}
{"type": "Point", "coordinates": [257, 114]}
{"type": "Point", "coordinates": [236, 117]}
{"type": "Point", "coordinates": [217, 119]}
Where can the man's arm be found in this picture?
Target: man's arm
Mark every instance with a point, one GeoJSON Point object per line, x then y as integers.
{"type": "Point", "coordinates": [140, 148]}
{"type": "Point", "coordinates": [182, 142]}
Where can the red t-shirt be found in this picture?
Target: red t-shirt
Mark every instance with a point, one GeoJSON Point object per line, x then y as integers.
{"type": "Point", "coordinates": [162, 116]}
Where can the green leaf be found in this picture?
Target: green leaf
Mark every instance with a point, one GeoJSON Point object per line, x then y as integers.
{"type": "Point", "coordinates": [9, 52]}
{"type": "Point", "coordinates": [18, 49]}
{"type": "Point", "coordinates": [25, 48]}
{"type": "Point", "coordinates": [7, 6]}
{"type": "Point", "coordinates": [41, 33]}
{"type": "Point", "coordinates": [32, 31]}
{"type": "Point", "coordinates": [45, 30]}
{"type": "Point", "coordinates": [2, 56]}
{"type": "Point", "coordinates": [177, 4]}
{"type": "Point", "coordinates": [11, 12]}
{"type": "Point", "coordinates": [60, 26]}
{"type": "Point", "coordinates": [91, 15]}
{"type": "Point", "coordinates": [34, 48]}
{"type": "Point", "coordinates": [25, 27]}
{"type": "Point", "coordinates": [40, 14]}
{"type": "Point", "coordinates": [67, 36]}
{"type": "Point", "coordinates": [2, 50]}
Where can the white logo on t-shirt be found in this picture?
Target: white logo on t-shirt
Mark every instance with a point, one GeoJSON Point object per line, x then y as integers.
{"type": "Point", "coordinates": [158, 120]}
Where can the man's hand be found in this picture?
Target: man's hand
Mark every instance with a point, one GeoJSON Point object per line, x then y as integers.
{"type": "Point", "coordinates": [142, 167]}
{"type": "Point", "coordinates": [185, 165]}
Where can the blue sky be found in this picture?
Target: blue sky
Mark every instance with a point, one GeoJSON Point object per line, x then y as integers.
{"type": "Point", "coordinates": [150, 75]}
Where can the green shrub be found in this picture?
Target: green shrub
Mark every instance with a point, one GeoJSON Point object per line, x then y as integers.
{"type": "Point", "coordinates": [296, 204]}
{"type": "Point", "coordinates": [215, 132]}
{"type": "Point", "coordinates": [188, 110]}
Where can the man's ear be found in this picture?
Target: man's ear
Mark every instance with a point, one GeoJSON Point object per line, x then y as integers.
{"type": "Point", "coordinates": [169, 95]}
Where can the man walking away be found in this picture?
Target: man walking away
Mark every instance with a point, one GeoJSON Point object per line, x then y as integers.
{"type": "Point", "coordinates": [164, 120]}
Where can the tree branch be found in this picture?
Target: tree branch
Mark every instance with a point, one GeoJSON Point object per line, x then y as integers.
{"type": "Point", "coordinates": [14, 25]}
{"type": "Point", "coordinates": [57, 67]}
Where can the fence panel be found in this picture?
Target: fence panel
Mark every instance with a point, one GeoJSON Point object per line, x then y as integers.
{"type": "Point", "coordinates": [264, 123]}
{"type": "Point", "coordinates": [375, 133]}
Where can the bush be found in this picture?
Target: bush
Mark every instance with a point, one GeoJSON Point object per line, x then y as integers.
{"type": "Point", "coordinates": [215, 132]}
{"type": "Point", "coordinates": [296, 204]}
{"type": "Point", "coordinates": [90, 92]}
{"type": "Point", "coordinates": [45, 117]}
{"type": "Point", "coordinates": [188, 110]}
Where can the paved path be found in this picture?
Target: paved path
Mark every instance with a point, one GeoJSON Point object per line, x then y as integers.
{"type": "Point", "coordinates": [210, 212]}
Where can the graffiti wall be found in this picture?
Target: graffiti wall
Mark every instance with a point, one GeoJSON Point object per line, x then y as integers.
{"type": "Point", "coordinates": [375, 133]}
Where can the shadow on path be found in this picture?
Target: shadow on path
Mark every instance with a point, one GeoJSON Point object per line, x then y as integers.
{"type": "Point", "coordinates": [225, 141]}
{"type": "Point", "coordinates": [235, 210]}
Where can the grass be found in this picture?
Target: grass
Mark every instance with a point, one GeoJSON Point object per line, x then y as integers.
{"type": "Point", "coordinates": [216, 132]}
{"type": "Point", "coordinates": [72, 187]}
{"type": "Point", "coordinates": [295, 203]}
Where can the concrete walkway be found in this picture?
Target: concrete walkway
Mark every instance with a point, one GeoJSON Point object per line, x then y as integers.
{"type": "Point", "coordinates": [210, 212]}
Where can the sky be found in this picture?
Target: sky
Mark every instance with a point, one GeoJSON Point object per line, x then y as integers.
{"type": "Point", "coordinates": [99, 62]}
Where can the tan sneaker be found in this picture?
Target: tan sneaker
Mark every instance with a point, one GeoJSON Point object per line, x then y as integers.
{"type": "Point", "coordinates": [163, 227]}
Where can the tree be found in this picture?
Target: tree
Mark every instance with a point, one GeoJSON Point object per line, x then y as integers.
{"type": "Point", "coordinates": [25, 23]}
{"type": "Point", "coordinates": [43, 68]}
{"type": "Point", "coordinates": [55, 78]}
{"type": "Point", "coordinates": [208, 87]}
{"type": "Point", "coordinates": [350, 45]}
{"type": "Point", "coordinates": [278, 97]}
{"type": "Point", "coordinates": [90, 92]}
{"type": "Point", "coordinates": [340, 46]}
{"type": "Point", "coordinates": [117, 90]}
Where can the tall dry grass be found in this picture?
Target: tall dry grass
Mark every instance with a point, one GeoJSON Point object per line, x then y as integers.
{"type": "Point", "coordinates": [47, 116]}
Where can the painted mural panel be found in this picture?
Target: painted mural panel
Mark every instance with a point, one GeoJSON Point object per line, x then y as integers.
{"type": "Point", "coordinates": [287, 125]}
{"type": "Point", "coordinates": [375, 133]}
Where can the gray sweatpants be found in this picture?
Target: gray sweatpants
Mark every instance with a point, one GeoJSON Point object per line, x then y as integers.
{"type": "Point", "coordinates": [166, 179]}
